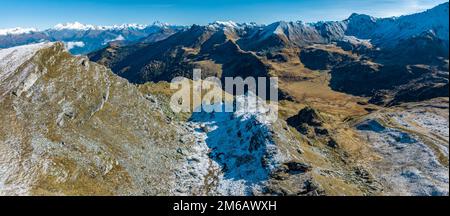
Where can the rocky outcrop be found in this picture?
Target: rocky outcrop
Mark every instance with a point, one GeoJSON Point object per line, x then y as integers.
{"type": "Point", "coordinates": [308, 122]}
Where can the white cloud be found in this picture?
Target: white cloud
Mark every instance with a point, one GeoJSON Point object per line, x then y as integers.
{"type": "Point", "coordinates": [73, 44]}
{"type": "Point", "coordinates": [118, 38]}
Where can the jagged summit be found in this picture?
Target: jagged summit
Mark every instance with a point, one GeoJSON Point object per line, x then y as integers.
{"type": "Point", "coordinates": [160, 24]}
{"type": "Point", "coordinates": [357, 16]}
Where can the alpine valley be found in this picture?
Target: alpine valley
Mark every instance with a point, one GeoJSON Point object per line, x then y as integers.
{"type": "Point", "coordinates": [363, 109]}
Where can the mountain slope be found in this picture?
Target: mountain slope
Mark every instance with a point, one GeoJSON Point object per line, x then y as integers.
{"type": "Point", "coordinates": [72, 127]}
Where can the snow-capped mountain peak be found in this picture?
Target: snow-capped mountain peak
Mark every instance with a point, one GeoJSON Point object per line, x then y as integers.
{"type": "Point", "coordinates": [229, 24]}
{"type": "Point", "coordinates": [387, 31]}
{"type": "Point", "coordinates": [73, 26]}
{"type": "Point", "coordinates": [17, 31]}
{"type": "Point", "coordinates": [124, 26]}
{"type": "Point", "coordinates": [82, 27]}
{"type": "Point", "coordinates": [160, 24]}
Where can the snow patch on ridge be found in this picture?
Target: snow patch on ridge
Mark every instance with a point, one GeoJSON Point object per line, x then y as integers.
{"type": "Point", "coordinates": [10, 61]}
{"type": "Point", "coordinates": [234, 152]}
{"type": "Point", "coordinates": [409, 166]}
{"type": "Point", "coordinates": [13, 58]}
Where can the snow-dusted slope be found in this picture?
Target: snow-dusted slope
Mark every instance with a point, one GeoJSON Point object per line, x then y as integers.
{"type": "Point", "coordinates": [11, 59]}
{"type": "Point", "coordinates": [234, 154]}
{"type": "Point", "coordinates": [413, 150]}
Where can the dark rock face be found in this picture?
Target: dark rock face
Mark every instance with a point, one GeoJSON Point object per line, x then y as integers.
{"type": "Point", "coordinates": [297, 167]}
{"type": "Point", "coordinates": [390, 84]}
{"type": "Point", "coordinates": [319, 59]}
{"type": "Point", "coordinates": [308, 122]}
{"type": "Point", "coordinates": [425, 48]}
{"type": "Point", "coordinates": [307, 116]}
{"type": "Point", "coordinates": [114, 53]}
{"type": "Point", "coordinates": [420, 93]}
{"type": "Point", "coordinates": [361, 25]}
{"type": "Point", "coordinates": [278, 57]}
{"type": "Point", "coordinates": [362, 78]}
{"type": "Point", "coordinates": [355, 45]}
{"type": "Point", "coordinates": [332, 143]}
{"type": "Point", "coordinates": [311, 189]}
{"type": "Point", "coordinates": [311, 124]}
{"type": "Point", "coordinates": [418, 90]}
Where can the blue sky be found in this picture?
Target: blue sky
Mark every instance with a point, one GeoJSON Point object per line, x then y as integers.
{"type": "Point", "coordinates": [47, 13]}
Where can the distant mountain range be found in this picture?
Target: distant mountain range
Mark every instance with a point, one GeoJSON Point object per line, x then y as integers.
{"type": "Point", "coordinates": [82, 39]}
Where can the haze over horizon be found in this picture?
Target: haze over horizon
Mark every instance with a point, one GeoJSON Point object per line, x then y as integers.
{"type": "Point", "coordinates": [47, 13]}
